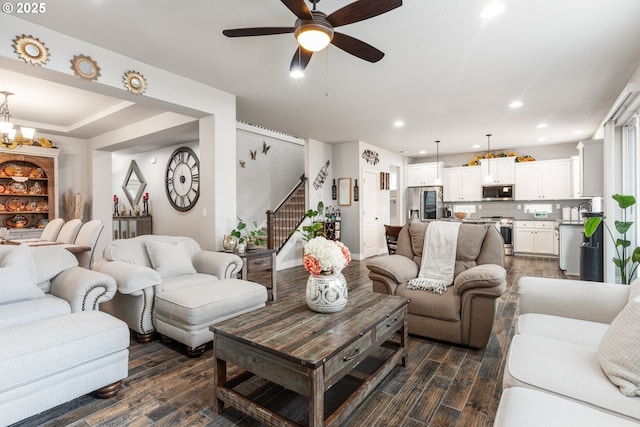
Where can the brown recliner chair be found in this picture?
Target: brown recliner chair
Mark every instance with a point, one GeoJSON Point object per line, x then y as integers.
{"type": "Point", "coordinates": [464, 313]}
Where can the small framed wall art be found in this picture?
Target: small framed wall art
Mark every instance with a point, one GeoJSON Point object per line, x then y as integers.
{"type": "Point", "coordinates": [344, 191]}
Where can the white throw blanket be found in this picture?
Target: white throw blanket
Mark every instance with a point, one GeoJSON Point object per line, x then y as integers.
{"type": "Point", "coordinates": [438, 257]}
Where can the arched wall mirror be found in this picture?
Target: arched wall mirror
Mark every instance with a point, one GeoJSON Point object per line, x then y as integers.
{"type": "Point", "coordinates": [134, 184]}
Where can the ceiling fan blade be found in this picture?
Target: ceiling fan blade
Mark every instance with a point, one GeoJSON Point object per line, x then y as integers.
{"type": "Point", "coordinates": [259, 31]}
{"type": "Point", "coordinates": [300, 59]}
{"type": "Point", "coordinates": [357, 47]}
{"type": "Point", "coordinates": [361, 10]}
{"type": "Point", "coordinates": [299, 8]}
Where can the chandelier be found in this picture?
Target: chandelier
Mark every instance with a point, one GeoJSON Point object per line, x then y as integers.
{"type": "Point", "coordinates": [7, 131]}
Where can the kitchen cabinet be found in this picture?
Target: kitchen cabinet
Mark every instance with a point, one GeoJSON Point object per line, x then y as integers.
{"type": "Point", "coordinates": [502, 169]}
{"type": "Point", "coordinates": [543, 180]}
{"type": "Point", "coordinates": [422, 174]}
{"type": "Point", "coordinates": [535, 237]}
{"type": "Point", "coordinates": [462, 184]}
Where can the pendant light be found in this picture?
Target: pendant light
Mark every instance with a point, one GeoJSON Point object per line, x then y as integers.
{"type": "Point", "coordinates": [489, 177]}
{"type": "Point", "coordinates": [437, 181]}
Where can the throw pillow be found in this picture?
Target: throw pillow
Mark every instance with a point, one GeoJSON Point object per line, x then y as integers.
{"type": "Point", "coordinates": [619, 350]}
{"type": "Point", "coordinates": [51, 262]}
{"type": "Point", "coordinates": [18, 275]}
{"type": "Point", "coordinates": [169, 259]}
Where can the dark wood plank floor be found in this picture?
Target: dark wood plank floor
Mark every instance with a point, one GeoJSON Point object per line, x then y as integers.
{"type": "Point", "coordinates": [443, 385]}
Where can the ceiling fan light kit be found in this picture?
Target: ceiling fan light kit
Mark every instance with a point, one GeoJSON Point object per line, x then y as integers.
{"type": "Point", "coordinates": [314, 36]}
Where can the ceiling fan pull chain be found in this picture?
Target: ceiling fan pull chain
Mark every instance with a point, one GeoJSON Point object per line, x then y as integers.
{"type": "Point", "coordinates": [326, 92]}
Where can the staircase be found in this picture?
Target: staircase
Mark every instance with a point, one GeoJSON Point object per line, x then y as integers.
{"type": "Point", "coordinates": [287, 217]}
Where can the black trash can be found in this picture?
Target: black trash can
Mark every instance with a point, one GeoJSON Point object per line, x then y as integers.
{"type": "Point", "coordinates": [592, 254]}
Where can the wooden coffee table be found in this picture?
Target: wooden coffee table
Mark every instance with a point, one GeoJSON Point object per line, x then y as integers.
{"type": "Point", "coordinates": [307, 352]}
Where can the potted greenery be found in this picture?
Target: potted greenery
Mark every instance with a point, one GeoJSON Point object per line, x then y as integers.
{"type": "Point", "coordinates": [253, 237]}
{"type": "Point", "coordinates": [626, 262]}
{"type": "Point", "coordinates": [314, 229]}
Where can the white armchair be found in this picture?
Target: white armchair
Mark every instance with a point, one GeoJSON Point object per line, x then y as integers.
{"type": "Point", "coordinates": [140, 277]}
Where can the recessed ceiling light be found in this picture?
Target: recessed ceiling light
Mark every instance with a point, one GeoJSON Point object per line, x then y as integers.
{"type": "Point", "coordinates": [475, 146]}
{"type": "Point", "coordinates": [398, 123]}
{"type": "Point", "coordinates": [542, 139]}
{"type": "Point", "coordinates": [516, 104]}
{"type": "Point", "coordinates": [542, 126]}
{"type": "Point", "coordinates": [492, 10]}
{"type": "Point", "coordinates": [422, 152]}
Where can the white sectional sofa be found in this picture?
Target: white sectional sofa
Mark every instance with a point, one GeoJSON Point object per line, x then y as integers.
{"type": "Point", "coordinates": [55, 344]}
{"type": "Point", "coordinates": [568, 334]}
{"type": "Point", "coordinates": [170, 285]}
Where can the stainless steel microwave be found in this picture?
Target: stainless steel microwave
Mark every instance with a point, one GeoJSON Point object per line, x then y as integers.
{"type": "Point", "coordinates": [497, 192]}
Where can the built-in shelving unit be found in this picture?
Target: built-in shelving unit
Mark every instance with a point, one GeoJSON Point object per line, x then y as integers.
{"type": "Point", "coordinates": [28, 189]}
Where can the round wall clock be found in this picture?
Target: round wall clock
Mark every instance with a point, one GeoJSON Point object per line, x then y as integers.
{"type": "Point", "coordinates": [182, 179]}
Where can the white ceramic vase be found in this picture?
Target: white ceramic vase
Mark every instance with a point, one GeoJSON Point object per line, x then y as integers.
{"type": "Point", "coordinates": [327, 294]}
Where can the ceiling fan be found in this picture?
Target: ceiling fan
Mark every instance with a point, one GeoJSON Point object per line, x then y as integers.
{"type": "Point", "coordinates": [314, 29]}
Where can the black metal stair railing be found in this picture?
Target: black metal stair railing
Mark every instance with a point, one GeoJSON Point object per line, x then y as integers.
{"type": "Point", "coordinates": [287, 217]}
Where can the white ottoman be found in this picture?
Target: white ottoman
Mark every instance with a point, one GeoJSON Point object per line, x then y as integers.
{"type": "Point", "coordinates": [185, 314]}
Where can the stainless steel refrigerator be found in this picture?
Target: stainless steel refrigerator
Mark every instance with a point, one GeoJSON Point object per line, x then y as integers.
{"type": "Point", "coordinates": [424, 203]}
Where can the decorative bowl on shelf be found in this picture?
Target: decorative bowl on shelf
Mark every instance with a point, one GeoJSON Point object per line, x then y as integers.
{"type": "Point", "coordinates": [461, 215]}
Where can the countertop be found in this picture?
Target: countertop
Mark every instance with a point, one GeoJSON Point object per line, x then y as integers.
{"type": "Point", "coordinates": [578, 223]}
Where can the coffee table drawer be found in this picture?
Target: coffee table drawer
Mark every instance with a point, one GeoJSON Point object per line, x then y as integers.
{"type": "Point", "coordinates": [392, 323]}
{"type": "Point", "coordinates": [346, 359]}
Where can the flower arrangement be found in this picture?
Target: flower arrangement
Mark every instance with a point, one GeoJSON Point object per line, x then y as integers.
{"type": "Point", "coordinates": [322, 256]}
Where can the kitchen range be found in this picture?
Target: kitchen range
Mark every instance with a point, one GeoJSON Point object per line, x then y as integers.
{"type": "Point", "coordinates": [506, 229]}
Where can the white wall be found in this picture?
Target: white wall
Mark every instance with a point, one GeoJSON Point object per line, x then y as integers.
{"type": "Point", "coordinates": [263, 183]}
{"type": "Point", "coordinates": [347, 165]}
{"type": "Point", "coordinates": [166, 219]}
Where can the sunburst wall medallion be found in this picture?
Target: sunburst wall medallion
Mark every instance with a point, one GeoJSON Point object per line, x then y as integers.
{"type": "Point", "coordinates": [30, 49]}
{"type": "Point", "coordinates": [85, 67]}
{"type": "Point", "coordinates": [135, 82]}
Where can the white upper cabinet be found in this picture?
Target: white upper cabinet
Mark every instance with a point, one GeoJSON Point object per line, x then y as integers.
{"type": "Point", "coordinates": [502, 169]}
{"type": "Point", "coordinates": [422, 174]}
{"type": "Point", "coordinates": [546, 180]}
{"type": "Point", "coordinates": [462, 184]}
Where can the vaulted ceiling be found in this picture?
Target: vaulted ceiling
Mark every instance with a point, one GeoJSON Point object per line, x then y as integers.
{"type": "Point", "coordinates": [448, 74]}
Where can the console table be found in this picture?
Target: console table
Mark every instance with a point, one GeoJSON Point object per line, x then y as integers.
{"type": "Point", "coordinates": [260, 259]}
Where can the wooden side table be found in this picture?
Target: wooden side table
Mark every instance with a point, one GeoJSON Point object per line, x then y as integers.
{"type": "Point", "coordinates": [259, 259]}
